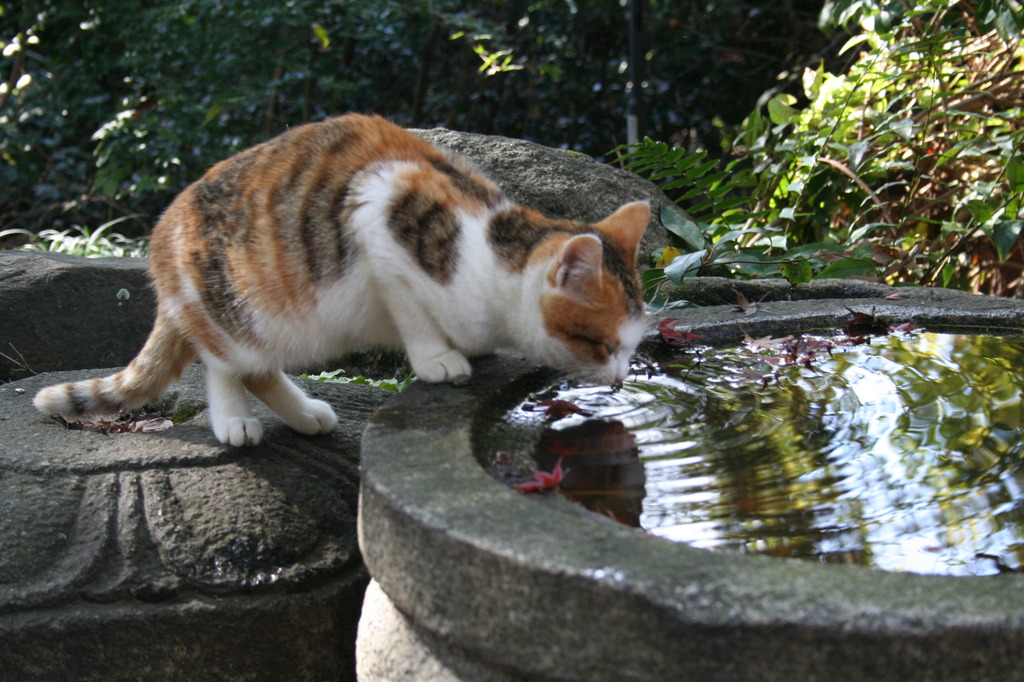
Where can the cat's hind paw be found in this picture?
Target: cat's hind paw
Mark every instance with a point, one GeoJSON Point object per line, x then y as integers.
{"type": "Point", "coordinates": [238, 431]}
{"type": "Point", "coordinates": [313, 417]}
{"type": "Point", "coordinates": [450, 366]}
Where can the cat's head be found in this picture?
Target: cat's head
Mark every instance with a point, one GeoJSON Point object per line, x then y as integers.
{"type": "Point", "coordinates": [592, 307]}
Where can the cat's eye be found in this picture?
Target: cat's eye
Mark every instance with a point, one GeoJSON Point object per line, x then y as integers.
{"type": "Point", "coordinates": [601, 347]}
{"type": "Point", "coordinates": [589, 340]}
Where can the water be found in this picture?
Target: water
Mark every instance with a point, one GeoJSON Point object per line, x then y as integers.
{"type": "Point", "coordinates": [904, 455]}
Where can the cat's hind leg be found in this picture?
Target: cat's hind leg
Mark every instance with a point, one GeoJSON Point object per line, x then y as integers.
{"type": "Point", "coordinates": [299, 411]}
{"type": "Point", "coordinates": [230, 412]}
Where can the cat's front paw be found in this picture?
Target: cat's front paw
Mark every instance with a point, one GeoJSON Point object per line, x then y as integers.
{"type": "Point", "coordinates": [450, 366]}
{"type": "Point", "coordinates": [313, 417]}
{"type": "Point", "coordinates": [238, 431]}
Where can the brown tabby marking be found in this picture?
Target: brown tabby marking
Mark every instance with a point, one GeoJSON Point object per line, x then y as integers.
{"type": "Point", "coordinates": [469, 184]}
{"type": "Point", "coordinates": [521, 235]}
{"type": "Point", "coordinates": [428, 228]}
{"type": "Point", "coordinates": [515, 233]}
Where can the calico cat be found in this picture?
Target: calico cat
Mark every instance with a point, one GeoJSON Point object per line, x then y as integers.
{"type": "Point", "coordinates": [351, 233]}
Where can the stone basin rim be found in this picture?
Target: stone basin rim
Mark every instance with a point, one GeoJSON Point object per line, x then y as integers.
{"type": "Point", "coordinates": [514, 579]}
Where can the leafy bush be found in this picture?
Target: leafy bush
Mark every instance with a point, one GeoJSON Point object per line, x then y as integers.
{"type": "Point", "coordinates": [396, 385]}
{"type": "Point", "coordinates": [117, 106]}
{"type": "Point", "coordinates": [108, 109]}
{"type": "Point", "coordinates": [906, 168]}
{"type": "Point", "coordinates": [81, 241]}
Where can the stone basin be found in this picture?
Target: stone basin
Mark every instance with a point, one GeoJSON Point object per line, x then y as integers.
{"type": "Point", "coordinates": [474, 581]}
{"type": "Point", "coordinates": [168, 556]}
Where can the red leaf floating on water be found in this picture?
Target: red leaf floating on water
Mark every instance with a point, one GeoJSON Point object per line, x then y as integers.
{"type": "Point", "coordinates": [557, 409]}
{"type": "Point", "coordinates": [543, 480]}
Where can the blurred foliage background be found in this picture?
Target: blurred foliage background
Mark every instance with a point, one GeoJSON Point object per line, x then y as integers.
{"type": "Point", "coordinates": [874, 138]}
{"type": "Point", "coordinates": [112, 107]}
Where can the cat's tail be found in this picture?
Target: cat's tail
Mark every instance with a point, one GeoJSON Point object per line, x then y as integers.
{"type": "Point", "coordinates": [160, 363]}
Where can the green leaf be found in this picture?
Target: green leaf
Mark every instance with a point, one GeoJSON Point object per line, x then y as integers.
{"type": "Point", "coordinates": [652, 278]}
{"type": "Point", "coordinates": [1005, 234]}
{"type": "Point", "coordinates": [1015, 174]}
{"type": "Point", "coordinates": [321, 36]}
{"type": "Point", "coordinates": [679, 224]}
{"type": "Point", "coordinates": [702, 170]}
{"type": "Point", "coordinates": [712, 179]}
{"type": "Point", "coordinates": [847, 267]}
{"type": "Point", "coordinates": [853, 42]}
{"type": "Point", "coordinates": [780, 109]}
{"type": "Point", "coordinates": [690, 194]}
{"type": "Point", "coordinates": [728, 238]}
{"type": "Point", "coordinates": [904, 127]}
{"type": "Point", "coordinates": [691, 160]}
{"type": "Point", "coordinates": [733, 202]}
{"type": "Point", "coordinates": [678, 269]}
{"type": "Point", "coordinates": [855, 155]}
{"type": "Point", "coordinates": [797, 272]}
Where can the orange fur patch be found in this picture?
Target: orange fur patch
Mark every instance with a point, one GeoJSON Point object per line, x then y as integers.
{"type": "Point", "coordinates": [589, 328]}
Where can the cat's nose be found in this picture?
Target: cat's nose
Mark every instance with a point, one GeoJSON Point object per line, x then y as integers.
{"type": "Point", "coordinates": [620, 370]}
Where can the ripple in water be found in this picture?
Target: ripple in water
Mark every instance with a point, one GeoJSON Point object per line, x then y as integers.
{"type": "Point", "coordinates": [904, 455]}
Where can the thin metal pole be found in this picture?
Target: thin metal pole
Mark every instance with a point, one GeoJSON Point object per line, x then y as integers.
{"type": "Point", "coordinates": [634, 89]}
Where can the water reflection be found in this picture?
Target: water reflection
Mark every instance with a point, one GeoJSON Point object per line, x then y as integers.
{"type": "Point", "coordinates": [602, 467]}
{"type": "Point", "coordinates": [903, 455]}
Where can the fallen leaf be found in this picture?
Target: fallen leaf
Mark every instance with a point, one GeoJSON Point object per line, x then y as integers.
{"type": "Point", "coordinates": [744, 305]}
{"type": "Point", "coordinates": [558, 409]}
{"type": "Point", "coordinates": [672, 336]}
{"type": "Point", "coordinates": [119, 425]}
{"type": "Point", "coordinates": [766, 342]}
{"type": "Point", "coordinates": [151, 425]}
{"type": "Point", "coordinates": [543, 480]}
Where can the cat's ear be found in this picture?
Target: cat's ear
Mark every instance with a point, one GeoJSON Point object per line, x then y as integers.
{"type": "Point", "coordinates": [578, 266]}
{"type": "Point", "coordinates": [627, 225]}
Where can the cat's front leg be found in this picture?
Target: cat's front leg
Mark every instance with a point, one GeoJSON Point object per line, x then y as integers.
{"type": "Point", "coordinates": [428, 348]}
{"type": "Point", "coordinates": [299, 411]}
{"type": "Point", "coordinates": [434, 367]}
